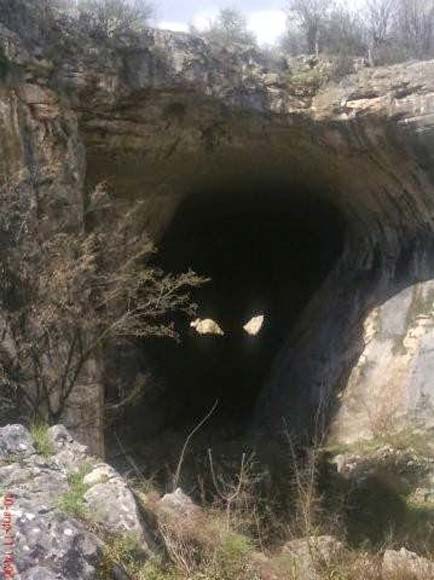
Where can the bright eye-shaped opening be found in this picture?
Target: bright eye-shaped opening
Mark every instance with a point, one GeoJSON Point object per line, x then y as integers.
{"type": "Point", "coordinates": [254, 326]}
{"type": "Point", "coordinates": [209, 326]}
{"type": "Point", "coordinates": [206, 326]}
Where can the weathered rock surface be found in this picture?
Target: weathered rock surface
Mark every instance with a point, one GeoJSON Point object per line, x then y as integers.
{"type": "Point", "coordinates": [312, 555]}
{"type": "Point", "coordinates": [406, 564]}
{"type": "Point", "coordinates": [69, 454]}
{"type": "Point", "coordinates": [391, 386]}
{"type": "Point", "coordinates": [112, 504]}
{"type": "Point", "coordinates": [362, 462]}
{"type": "Point", "coordinates": [15, 441]}
{"type": "Point", "coordinates": [46, 542]}
{"type": "Point", "coordinates": [178, 505]}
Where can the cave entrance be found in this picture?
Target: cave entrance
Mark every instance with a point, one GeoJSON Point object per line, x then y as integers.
{"type": "Point", "coordinates": [266, 251]}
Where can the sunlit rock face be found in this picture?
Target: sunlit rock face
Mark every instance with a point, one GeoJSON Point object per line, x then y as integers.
{"type": "Point", "coordinates": [390, 388]}
{"type": "Point", "coordinates": [326, 195]}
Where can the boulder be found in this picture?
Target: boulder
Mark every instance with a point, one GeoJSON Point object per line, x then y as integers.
{"type": "Point", "coordinates": [112, 505]}
{"type": "Point", "coordinates": [15, 440]}
{"type": "Point", "coordinates": [50, 543]}
{"type": "Point", "coordinates": [311, 555]}
{"type": "Point", "coordinates": [178, 504]}
{"type": "Point", "coordinates": [69, 453]}
{"type": "Point", "coordinates": [405, 564]}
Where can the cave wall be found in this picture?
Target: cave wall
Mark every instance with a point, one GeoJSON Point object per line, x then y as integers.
{"type": "Point", "coordinates": [42, 155]}
{"type": "Point", "coordinates": [366, 148]}
{"type": "Point", "coordinates": [166, 116]}
{"type": "Point", "coordinates": [390, 389]}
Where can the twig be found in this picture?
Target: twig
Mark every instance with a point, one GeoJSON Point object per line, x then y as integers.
{"type": "Point", "coordinates": [228, 498]}
{"type": "Point", "coordinates": [187, 442]}
{"type": "Point", "coordinates": [129, 458]}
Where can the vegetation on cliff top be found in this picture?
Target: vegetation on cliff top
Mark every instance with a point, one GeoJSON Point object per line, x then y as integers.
{"type": "Point", "coordinates": [380, 31]}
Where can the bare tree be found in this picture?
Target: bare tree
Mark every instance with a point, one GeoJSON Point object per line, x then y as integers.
{"type": "Point", "coordinates": [379, 21]}
{"type": "Point", "coordinates": [415, 26]}
{"type": "Point", "coordinates": [310, 14]}
{"type": "Point", "coordinates": [343, 33]}
{"type": "Point", "coordinates": [293, 41]}
{"type": "Point", "coordinates": [109, 17]}
{"type": "Point", "coordinates": [230, 27]}
{"type": "Point", "coordinates": [67, 294]}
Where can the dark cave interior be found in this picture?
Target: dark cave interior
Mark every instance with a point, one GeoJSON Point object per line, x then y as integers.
{"type": "Point", "coordinates": [266, 250]}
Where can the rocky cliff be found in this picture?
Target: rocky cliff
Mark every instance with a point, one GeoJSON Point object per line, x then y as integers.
{"type": "Point", "coordinates": [167, 116]}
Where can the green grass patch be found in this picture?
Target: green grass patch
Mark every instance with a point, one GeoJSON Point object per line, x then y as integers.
{"type": "Point", "coordinates": [408, 439]}
{"type": "Point", "coordinates": [232, 558]}
{"type": "Point", "coordinates": [125, 552]}
{"type": "Point", "coordinates": [306, 83]}
{"type": "Point", "coordinates": [43, 444]}
{"type": "Point", "coordinates": [72, 502]}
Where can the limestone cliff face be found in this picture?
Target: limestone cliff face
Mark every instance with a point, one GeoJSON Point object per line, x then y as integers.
{"type": "Point", "coordinates": [167, 114]}
{"type": "Point", "coordinates": [391, 389]}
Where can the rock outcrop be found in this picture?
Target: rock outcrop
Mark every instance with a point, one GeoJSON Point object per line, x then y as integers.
{"type": "Point", "coordinates": [60, 507]}
{"type": "Point", "coordinates": [309, 555]}
{"type": "Point", "coordinates": [405, 563]}
{"type": "Point", "coordinates": [63, 511]}
{"type": "Point", "coordinates": [390, 388]}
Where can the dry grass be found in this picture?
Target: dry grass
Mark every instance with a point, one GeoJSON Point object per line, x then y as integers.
{"type": "Point", "coordinates": [205, 545]}
{"type": "Point", "coordinates": [202, 546]}
{"type": "Point", "coordinates": [232, 536]}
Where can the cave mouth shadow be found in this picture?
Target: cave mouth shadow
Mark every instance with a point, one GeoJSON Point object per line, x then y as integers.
{"type": "Point", "coordinates": [266, 250]}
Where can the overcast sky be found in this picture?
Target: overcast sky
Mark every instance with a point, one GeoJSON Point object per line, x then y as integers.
{"type": "Point", "coordinates": [265, 17]}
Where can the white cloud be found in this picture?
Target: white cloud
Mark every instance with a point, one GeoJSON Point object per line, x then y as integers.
{"type": "Point", "coordinates": [173, 25]}
{"type": "Point", "coordinates": [267, 25]}
{"type": "Point", "coordinates": [202, 20]}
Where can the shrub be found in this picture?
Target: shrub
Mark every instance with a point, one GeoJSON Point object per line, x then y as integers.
{"type": "Point", "coordinates": [232, 557]}
{"type": "Point", "coordinates": [230, 27]}
{"type": "Point", "coordinates": [201, 545]}
{"type": "Point", "coordinates": [70, 291]}
{"type": "Point", "coordinates": [111, 17]}
{"type": "Point", "coordinates": [306, 83]}
{"type": "Point", "coordinates": [125, 552]}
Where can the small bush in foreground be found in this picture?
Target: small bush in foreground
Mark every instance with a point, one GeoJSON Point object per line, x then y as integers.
{"type": "Point", "coordinates": [124, 552]}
